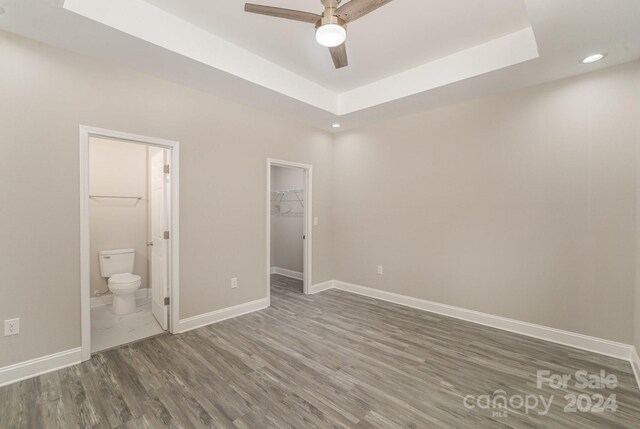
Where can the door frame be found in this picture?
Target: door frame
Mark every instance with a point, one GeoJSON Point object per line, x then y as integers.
{"type": "Point", "coordinates": [307, 263]}
{"type": "Point", "coordinates": [86, 132]}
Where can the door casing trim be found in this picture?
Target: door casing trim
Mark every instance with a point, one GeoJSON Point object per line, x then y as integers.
{"type": "Point", "coordinates": [85, 133]}
{"type": "Point", "coordinates": [308, 222]}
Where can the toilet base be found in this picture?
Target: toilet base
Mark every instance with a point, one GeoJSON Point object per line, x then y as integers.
{"type": "Point", "coordinates": [124, 304]}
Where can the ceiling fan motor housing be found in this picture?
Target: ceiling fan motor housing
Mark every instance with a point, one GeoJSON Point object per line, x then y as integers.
{"type": "Point", "coordinates": [330, 19]}
{"type": "Point", "coordinates": [329, 14]}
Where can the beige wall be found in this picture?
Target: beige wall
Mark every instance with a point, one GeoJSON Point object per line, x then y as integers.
{"type": "Point", "coordinates": [522, 205]}
{"type": "Point", "coordinates": [119, 169]}
{"type": "Point", "coordinates": [46, 94]}
{"type": "Point", "coordinates": [287, 231]}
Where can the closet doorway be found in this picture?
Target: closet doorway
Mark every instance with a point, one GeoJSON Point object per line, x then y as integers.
{"type": "Point", "coordinates": [289, 223]}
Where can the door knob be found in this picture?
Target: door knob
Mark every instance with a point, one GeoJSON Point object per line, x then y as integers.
{"type": "Point", "coordinates": [149, 243]}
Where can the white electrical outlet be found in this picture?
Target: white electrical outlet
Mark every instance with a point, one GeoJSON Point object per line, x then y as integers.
{"type": "Point", "coordinates": [379, 269]}
{"type": "Point", "coordinates": [234, 283]}
{"type": "Point", "coordinates": [11, 327]}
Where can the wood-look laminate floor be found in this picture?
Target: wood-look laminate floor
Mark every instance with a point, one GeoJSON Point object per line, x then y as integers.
{"type": "Point", "coordinates": [330, 360]}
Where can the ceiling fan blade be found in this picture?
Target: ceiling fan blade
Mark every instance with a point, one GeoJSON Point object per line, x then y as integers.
{"type": "Point", "coordinates": [279, 12]}
{"type": "Point", "coordinates": [339, 56]}
{"type": "Point", "coordinates": [358, 8]}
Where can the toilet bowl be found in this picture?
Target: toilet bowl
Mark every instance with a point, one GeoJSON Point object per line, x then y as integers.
{"type": "Point", "coordinates": [124, 287]}
{"type": "Point", "coordinates": [117, 265]}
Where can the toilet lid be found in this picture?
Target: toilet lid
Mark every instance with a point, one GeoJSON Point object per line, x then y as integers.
{"type": "Point", "coordinates": [123, 278]}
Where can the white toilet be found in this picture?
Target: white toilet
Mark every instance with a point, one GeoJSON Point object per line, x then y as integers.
{"type": "Point", "coordinates": [117, 265]}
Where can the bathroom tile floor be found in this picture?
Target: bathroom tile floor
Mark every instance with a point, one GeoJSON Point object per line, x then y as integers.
{"type": "Point", "coordinates": [109, 330]}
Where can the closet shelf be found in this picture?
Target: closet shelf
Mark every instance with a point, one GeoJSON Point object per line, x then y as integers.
{"type": "Point", "coordinates": [280, 196]}
{"type": "Point", "coordinates": [115, 197]}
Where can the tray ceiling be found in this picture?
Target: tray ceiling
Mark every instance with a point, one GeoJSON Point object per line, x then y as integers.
{"type": "Point", "coordinates": [440, 52]}
{"type": "Point", "coordinates": [399, 36]}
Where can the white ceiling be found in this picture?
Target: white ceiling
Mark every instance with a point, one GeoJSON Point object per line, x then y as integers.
{"type": "Point", "coordinates": [144, 21]}
{"type": "Point", "coordinates": [141, 36]}
{"type": "Point", "coordinates": [399, 36]}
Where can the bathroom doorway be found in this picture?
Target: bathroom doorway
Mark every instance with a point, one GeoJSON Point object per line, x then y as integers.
{"type": "Point", "coordinates": [289, 226]}
{"type": "Point", "coordinates": [129, 238]}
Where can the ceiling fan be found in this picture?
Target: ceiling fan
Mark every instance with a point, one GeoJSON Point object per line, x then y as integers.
{"type": "Point", "coordinates": [331, 26]}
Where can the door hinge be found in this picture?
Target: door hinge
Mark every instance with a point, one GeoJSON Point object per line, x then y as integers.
{"type": "Point", "coordinates": [166, 169]}
{"type": "Point", "coordinates": [166, 300]}
{"type": "Point", "coordinates": [166, 235]}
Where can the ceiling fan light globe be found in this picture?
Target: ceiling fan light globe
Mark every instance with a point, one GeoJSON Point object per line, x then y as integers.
{"type": "Point", "coordinates": [331, 35]}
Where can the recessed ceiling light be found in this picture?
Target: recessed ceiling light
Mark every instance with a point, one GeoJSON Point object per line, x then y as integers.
{"type": "Point", "coordinates": [336, 125]}
{"type": "Point", "coordinates": [592, 58]}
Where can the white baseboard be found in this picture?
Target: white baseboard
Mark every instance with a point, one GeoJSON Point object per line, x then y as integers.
{"type": "Point", "coordinates": [571, 339]}
{"type": "Point", "coordinates": [635, 364]}
{"type": "Point", "coordinates": [194, 322]}
{"type": "Point", "coordinates": [287, 273]}
{"type": "Point", "coordinates": [319, 287]}
{"type": "Point", "coordinates": [100, 301]}
{"type": "Point", "coordinates": [42, 365]}
{"type": "Point", "coordinates": [579, 341]}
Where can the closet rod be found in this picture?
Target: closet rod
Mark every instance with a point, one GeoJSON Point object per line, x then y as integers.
{"type": "Point", "coordinates": [114, 196]}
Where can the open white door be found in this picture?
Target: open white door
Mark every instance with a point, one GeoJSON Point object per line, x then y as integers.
{"type": "Point", "coordinates": [159, 221]}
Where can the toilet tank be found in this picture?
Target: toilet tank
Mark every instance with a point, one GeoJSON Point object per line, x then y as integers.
{"type": "Point", "coordinates": [116, 261]}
